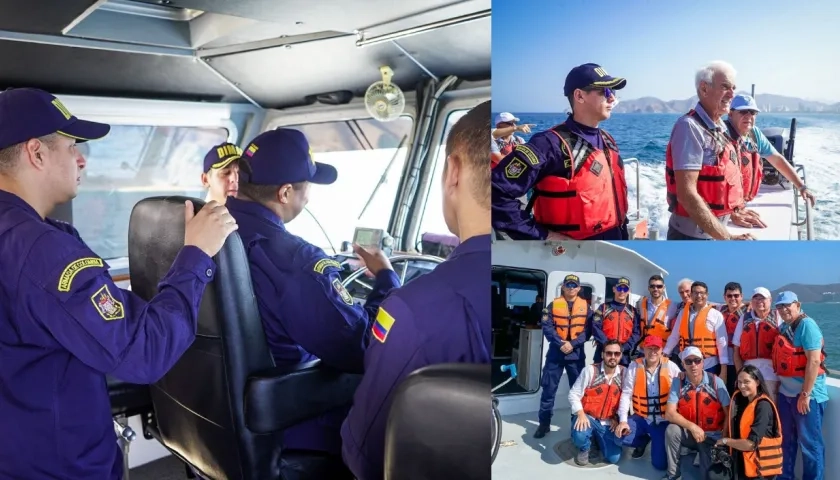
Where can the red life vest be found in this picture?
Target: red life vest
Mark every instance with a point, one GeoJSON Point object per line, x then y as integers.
{"type": "Point", "coordinates": [658, 325]}
{"type": "Point", "coordinates": [700, 405]}
{"type": "Point", "coordinates": [790, 361]}
{"type": "Point", "coordinates": [719, 185]}
{"type": "Point", "coordinates": [617, 325]}
{"type": "Point", "coordinates": [751, 164]}
{"type": "Point", "coordinates": [601, 397]}
{"type": "Point", "coordinates": [507, 146]}
{"type": "Point", "coordinates": [758, 337]}
{"type": "Point", "coordinates": [730, 320]}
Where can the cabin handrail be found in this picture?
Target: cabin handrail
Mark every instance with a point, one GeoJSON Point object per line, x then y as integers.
{"type": "Point", "coordinates": [807, 221]}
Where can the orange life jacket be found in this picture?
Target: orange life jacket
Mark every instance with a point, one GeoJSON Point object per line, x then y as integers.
{"type": "Point", "coordinates": [700, 405]}
{"type": "Point", "coordinates": [730, 320]}
{"type": "Point", "coordinates": [677, 312]}
{"type": "Point", "coordinates": [601, 397]}
{"type": "Point", "coordinates": [719, 185]}
{"type": "Point", "coordinates": [617, 325]}
{"type": "Point", "coordinates": [658, 324]}
{"type": "Point", "coordinates": [569, 324]}
{"type": "Point", "coordinates": [751, 164]}
{"type": "Point", "coordinates": [767, 459]}
{"type": "Point", "coordinates": [701, 337]}
{"type": "Point", "coordinates": [645, 404]}
{"type": "Point", "coordinates": [594, 200]}
{"type": "Point", "coordinates": [790, 361]}
{"type": "Point", "coordinates": [758, 337]}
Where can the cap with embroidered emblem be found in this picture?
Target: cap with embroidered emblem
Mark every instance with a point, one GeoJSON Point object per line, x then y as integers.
{"type": "Point", "coordinates": [591, 75]}
{"type": "Point", "coordinates": [221, 156]}
{"type": "Point", "coordinates": [623, 281]}
{"type": "Point", "coordinates": [282, 156]}
{"type": "Point", "coordinates": [570, 278]}
{"type": "Point", "coordinates": [27, 113]}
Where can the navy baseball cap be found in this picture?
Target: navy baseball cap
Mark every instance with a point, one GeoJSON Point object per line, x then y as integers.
{"type": "Point", "coordinates": [221, 156]}
{"type": "Point", "coordinates": [27, 113]}
{"type": "Point", "coordinates": [282, 156]}
{"type": "Point", "coordinates": [591, 75]}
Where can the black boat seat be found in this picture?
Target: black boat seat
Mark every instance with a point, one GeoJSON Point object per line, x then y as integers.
{"type": "Point", "coordinates": [128, 399]}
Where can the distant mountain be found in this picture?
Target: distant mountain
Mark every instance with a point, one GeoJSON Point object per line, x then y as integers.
{"type": "Point", "coordinates": [812, 293]}
{"type": "Point", "coordinates": [767, 102]}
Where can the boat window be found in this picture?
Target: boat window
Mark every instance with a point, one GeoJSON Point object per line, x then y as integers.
{"type": "Point", "coordinates": [432, 221]}
{"type": "Point", "coordinates": [369, 156]}
{"type": "Point", "coordinates": [131, 163]}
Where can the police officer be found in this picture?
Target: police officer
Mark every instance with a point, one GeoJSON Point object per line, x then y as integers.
{"type": "Point", "coordinates": [567, 324]}
{"type": "Point", "coordinates": [575, 170]}
{"type": "Point", "coordinates": [617, 320]}
{"type": "Point", "coordinates": [306, 312]}
{"type": "Point", "coordinates": [64, 324]}
{"type": "Point", "coordinates": [442, 317]}
{"type": "Point", "coordinates": [221, 172]}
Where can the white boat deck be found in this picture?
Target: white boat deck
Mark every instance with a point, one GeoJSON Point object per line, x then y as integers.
{"type": "Point", "coordinates": [523, 457]}
{"type": "Point", "coordinates": [775, 206]}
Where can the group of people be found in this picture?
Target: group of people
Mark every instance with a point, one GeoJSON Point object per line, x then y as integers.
{"type": "Point", "coordinates": [66, 324]}
{"type": "Point", "coordinates": [572, 176]}
{"type": "Point", "coordinates": [687, 374]}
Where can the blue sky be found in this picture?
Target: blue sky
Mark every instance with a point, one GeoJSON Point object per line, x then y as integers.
{"type": "Point", "coordinates": [658, 45]}
{"type": "Point", "coordinates": [752, 264]}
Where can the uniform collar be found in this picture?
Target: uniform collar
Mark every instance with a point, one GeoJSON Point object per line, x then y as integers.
{"type": "Point", "coordinates": [478, 243]}
{"type": "Point", "coordinates": [255, 209]}
{"type": "Point", "coordinates": [13, 199]}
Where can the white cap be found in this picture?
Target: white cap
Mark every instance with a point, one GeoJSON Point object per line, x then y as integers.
{"type": "Point", "coordinates": [763, 292]}
{"type": "Point", "coordinates": [691, 352]}
{"type": "Point", "coordinates": [505, 117]}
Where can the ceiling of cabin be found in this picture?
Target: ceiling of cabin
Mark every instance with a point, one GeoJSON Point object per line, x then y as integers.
{"type": "Point", "coordinates": [277, 52]}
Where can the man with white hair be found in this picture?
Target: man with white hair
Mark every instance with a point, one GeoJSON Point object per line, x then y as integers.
{"type": "Point", "coordinates": [702, 173]}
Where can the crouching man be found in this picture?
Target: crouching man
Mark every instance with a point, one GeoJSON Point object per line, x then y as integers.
{"type": "Point", "coordinates": [698, 408]}
{"type": "Point", "coordinates": [594, 400]}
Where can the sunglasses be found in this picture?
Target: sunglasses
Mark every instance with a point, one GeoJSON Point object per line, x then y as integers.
{"type": "Point", "coordinates": [733, 295]}
{"type": "Point", "coordinates": [781, 306]}
{"type": "Point", "coordinates": [750, 113]}
{"type": "Point", "coordinates": [692, 361]}
{"type": "Point", "coordinates": [571, 285]}
{"type": "Point", "coordinates": [657, 287]}
{"type": "Point", "coordinates": [622, 288]}
{"type": "Point", "coordinates": [607, 92]}
{"type": "Point", "coordinates": [612, 354]}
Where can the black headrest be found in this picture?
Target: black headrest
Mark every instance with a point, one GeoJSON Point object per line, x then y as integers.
{"type": "Point", "coordinates": [439, 424]}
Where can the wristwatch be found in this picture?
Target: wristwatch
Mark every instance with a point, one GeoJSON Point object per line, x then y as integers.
{"type": "Point", "coordinates": [803, 188]}
{"type": "Point", "coordinates": [805, 394]}
{"type": "Point", "coordinates": [725, 440]}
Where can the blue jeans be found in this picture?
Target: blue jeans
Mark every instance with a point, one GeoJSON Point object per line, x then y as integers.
{"type": "Point", "coordinates": [606, 439]}
{"type": "Point", "coordinates": [640, 433]}
{"type": "Point", "coordinates": [802, 431]}
{"type": "Point", "coordinates": [550, 382]}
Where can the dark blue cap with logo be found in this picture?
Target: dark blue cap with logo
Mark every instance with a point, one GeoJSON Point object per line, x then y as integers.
{"type": "Point", "coordinates": [282, 156]}
{"type": "Point", "coordinates": [591, 75]}
{"type": "Point", "coordinates": [221, 156]}
{"type": "Point", "coordinates": [27, 113]}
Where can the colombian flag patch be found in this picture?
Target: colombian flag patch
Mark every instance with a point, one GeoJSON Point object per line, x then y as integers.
{"type": "Point", "coordinates": [382, 325]}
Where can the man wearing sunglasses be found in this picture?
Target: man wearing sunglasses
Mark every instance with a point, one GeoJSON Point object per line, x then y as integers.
{"type": "Point", "coordinates": [698, 407]}
{"type": "Point", "coordinates": [799, 361]}
{"type": "Point", "coordinates": [653, 310]}
{"type": "Point", "coordinates": [566, 323]}
{"type": "Point", "coordinates": [575, 169]}
{"type": "Point", "coordinates": [617, 320]}
{"type": "Point", "coordinates": [753, 146]}
{"type": "Point", "coordinates": [732, 311]}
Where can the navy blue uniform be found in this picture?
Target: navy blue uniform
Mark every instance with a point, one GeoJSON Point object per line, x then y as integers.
{"type": "Point", "coordinates": [556, 361]}
{"type": "Point", "coordinates": [441, 317]}
{"type": "Point", "coordinates": [64, 324]}
{"type": "Point", "coordinates": [598, 333]}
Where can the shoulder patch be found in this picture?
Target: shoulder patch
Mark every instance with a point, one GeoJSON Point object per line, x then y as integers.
{"type": "Point", "coordinates": [515, 168]}
{"type": "Point", "coordinates": [108, 307]}
{"type": "Point", "coordinates": [529, 154]}
{"type": "Point", "coordinates": [325, 263]}
{"type": "Point", "coordinates": [65, 281]}
{"type": "Point", "coordinates": [342, 292]}
{"type": "Point", "coordinates": [545, 314]}
{"type": "Point", "coordinates": [382, 325]}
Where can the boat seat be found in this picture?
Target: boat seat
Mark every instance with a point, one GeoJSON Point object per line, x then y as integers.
{"type": "Point", "coordinates": [223, 406]}
{"type": "Point", "coordinates": [128, 399]}
{"type": "Point", "coordinates": [439, 424]}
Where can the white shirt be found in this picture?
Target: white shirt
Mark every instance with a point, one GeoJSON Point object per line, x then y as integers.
{"type": "Point", "coordinates": [764, 365]}
{"type": "Point", "coordinates": [715, 323]}
{"type": "Point", "coordinates": [625, 405]}
{"type": "Point", "coordinates": [582, 383]}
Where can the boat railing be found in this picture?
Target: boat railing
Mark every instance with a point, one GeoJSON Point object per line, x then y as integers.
{"type": "Point", "coordinates": [628, 161]}
{"type": "Point", "coordinates": [807, 222]}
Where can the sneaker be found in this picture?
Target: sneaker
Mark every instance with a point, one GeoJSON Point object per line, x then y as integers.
{"type": "Point", "coordinates": [638, 452]}
{"type": "Point", "coordinates": [582, 458]}
{"type": "Point", "coordinates": [541, 431]}
{"type": "Point", "coordinates": [697, 460]}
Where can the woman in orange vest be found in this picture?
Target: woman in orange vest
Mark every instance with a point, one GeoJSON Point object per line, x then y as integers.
{"type": "Point", "coordinates": [754, 433]}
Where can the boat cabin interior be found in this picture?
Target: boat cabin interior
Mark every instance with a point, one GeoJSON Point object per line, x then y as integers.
{"type": "Point", "coordinates": [374, 85]}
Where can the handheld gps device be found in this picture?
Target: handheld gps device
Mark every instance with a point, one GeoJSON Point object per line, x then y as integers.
{"type": "Point", "coordinates": [374, 238]}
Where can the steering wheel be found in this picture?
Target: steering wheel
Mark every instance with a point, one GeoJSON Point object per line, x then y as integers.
{"type": "Point", "coordinates": [356, 276]}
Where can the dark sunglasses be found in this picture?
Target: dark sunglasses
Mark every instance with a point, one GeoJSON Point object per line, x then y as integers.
{"type": "Point", "coordinates": [656, 286]}
{"type": "Point", "coordinates": [692, 361]}
{"type": "Point", "coordinates": [607, 92]}
{"type": "Point", "coordinates": [571, 285]}
{"type": "Point", "coordinates": [733, 295]}
{"type": "Point", "coordinates": [622, 288]}
{"type": "Point", "coordinates": [780, 306]}
{"type": "Point", "coordinates": [612, 354]}
{"type": "Point", "coordinates": [748, 112]}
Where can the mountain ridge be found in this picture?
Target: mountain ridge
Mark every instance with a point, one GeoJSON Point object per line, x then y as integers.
{"type": "Point", "coordinates": [767, 102]}
{"type": "Point", "coordinates": [808, 293]}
